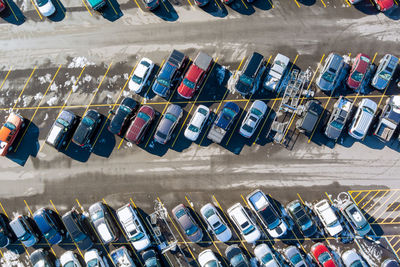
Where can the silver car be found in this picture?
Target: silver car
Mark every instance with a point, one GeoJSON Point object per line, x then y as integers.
{"type": "Point", "coordinates": [294, 257]}
{"type": "Point", "coordinates": [385, 71]}
{"type": "Point", "coordinates": [168, 124]}
{"type": "Point", "coordinates": [253, 118]}
{"type": "Point", "coordinates": [328, 78]}
{"type": "Point", "coordinates": [352, 259]}
{"type": "Point", "coordinates": [186, 222]}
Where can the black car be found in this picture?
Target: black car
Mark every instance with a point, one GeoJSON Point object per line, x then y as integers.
{"type": "Point", "coordinates": [86, 128]}
{"type": "Point", "coordinates": [236, 257]}
{"type": "Point", "coordinates": [123, 114]}
{"type": "Point", "coordinates": [301, 218]}
{"type": "Point", "coordinates": [41, 258]}
{"type": "Point", "coordinates": [6, 234]}
{"type": "Point", "coordinates": [77, 227]}
{"type": "Point", "coordinates": [249, 79]}
{"type": "Point", "coordinates": [309, 116]}
{"type": "Point", "coordinates": [150, 258]}
{"type": "Point", "coordinates": [151, 4]}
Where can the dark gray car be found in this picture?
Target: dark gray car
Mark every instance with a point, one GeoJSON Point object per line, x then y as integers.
{"type": "Point", "coordinates": [328, 78]}
{"type": "Point", "coordinates": [40, 258]}
{"type": "Point", "coordinates": [103, 222]}
{"type": "Point", "coordinates": [187, 223]}
{"type": "Point", "coordinates": [385, 71]}
{"type": "Point", "coordinates": [61, 130]}
{"type": "Point", "coordinates": [236, 257]}
{"type": "Point", "coordinates": [339, 116]}
{"type": "Point", "coordinates": [168, 124]}
{"type": "Point", "coordinates": [309, 117]}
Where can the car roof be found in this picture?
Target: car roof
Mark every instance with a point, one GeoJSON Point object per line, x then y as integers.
{"type": "Point", "coordinates": [253, 63]}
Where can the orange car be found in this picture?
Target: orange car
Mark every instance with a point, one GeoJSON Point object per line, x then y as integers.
{"type": "Point", "coordinates": [9, 131]}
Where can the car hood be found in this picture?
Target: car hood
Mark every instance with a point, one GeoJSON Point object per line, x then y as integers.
{"type": "Point", "coordinates": [335, 229]}
{"type": "Point", "coordinates": [278, 231]}
{"type": "Point", "coordinates": [242, 88]}
{"type": "Point", "coordinates": [85, 244]}
{"type": "Point", "coordinates": [332, 132]}
{"type": "Point", "coordinates": [379, 83]}
{"type": "Point", "coordinates": [324, 84]}
{"type": "Point", "coordinates": [164, 127]}
{"type": "Point", "coordinates": [185, 91]}
{"type": "Point", "coordinates": [134, 86]}
{"type": "Point", "coordinates": [253, 236]}
{"type": "Point", "coordinates": [141, 244]}
{"type": "Point", "coordinates": [271, 82]}
{"type": "Point", "coordinates": [160, 89]}
{"type": "Point", "coordinates": [30, 242]}
{"type": "Point", "coordinates": [4, 241]}
{"type": "Point", "coordinates": [117, 121]}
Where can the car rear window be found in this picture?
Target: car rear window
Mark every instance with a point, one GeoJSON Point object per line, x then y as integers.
{"type": "Point", "coordinates": [246, 80]}
{"type": "Point", "coordinates": [256, 112]}
{"type": "Point", "coordinates": [62, 122]}
{"type": "Point", "coordinates": [188, 83]}
{"type": "Point", "coordinates": [180, 213]}
{"type": "Point", "coordinates": [143, 116]}
{"type": "Point", "coordinates": [10, 126]}
{"type": "Point", "coordinates": [87, 121]}
{"type": "Point", "coordinates": [365, 59]}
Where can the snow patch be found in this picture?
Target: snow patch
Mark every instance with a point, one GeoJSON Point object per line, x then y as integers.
{"type": "Point", "coordinates": [11, 259]}
{"type": "Point", "coordinates": [38, 96]}
{"type": "Point", "coordinates": [79, 62]}
{"type": "Point", "coordinates": [52, 101]}
{"type": "Point", "coordinates": [45, 79]}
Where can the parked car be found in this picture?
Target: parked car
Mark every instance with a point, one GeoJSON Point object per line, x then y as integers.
{"type": "Point", "coordinates": [328, 217]}
{"type": "Point", "coordinates": [122, 116]}
{"type": "Point", "coordinates": [207, 258]}
{"type": "Point", "coordinates": [328, 78]}
{"type": "Point", "coordinates": [247, 228]}
{"type": "Point", "coordinates": [87, 128]}
{"type": "Point", "coordinates": [50, 226]}
{"type": "Point", "coordinates": [339, 117]}
{"type": "Point", "coordinates": [276, 72]}
{"type": "Point", "coordinates": [363, 119]}
{"type": "Point", "coordinates": [121, 257]}
{"type": "Point", "coordinates": [267, 213]}
{"type": "Point", "coordinates": [133, 227]}
{"type": "Point", "coordinates": [236, 257]}
{"type": "Point", "coordinates": [201, 2]}
{"type": "Point", "coordinates": [9, 131]}
{"type": "Point", "coordinates": [384, 5]}
{"type": "Point", "coordinates": [40, 258]}
{"type": "Point", "coordinates": [150, 258]}
{"type": "Point", "coordinates": [143, 70]}
{"type": "Point", "coordinates": [303, 221]}
{"type": "Point", "coordinates": [169, 73]}
{"type": "Point", "coordinates": [265, 256]}
{"type": "Point", "coordinates": [197, 72]}
{"type": "Point", "coordinates": [97, 5]}
{"type": "Point", "coordinates": [352, 259]}
{"type": "Point", "coordinates": [140, 124]}
{"type": "Point", "coordinates": [309, 117]}
{"type": "Point", "coordinates": [384, 73]}
{"type": "Point", "coordinates": [322, 255]}
{"type": "Point", "coordinates": [69, 259]}
{"type": "Point", "coordinates": [94, 259]}
{"type": "Point", "coordinates": [45, 7]}
{"type": "Point", "coordinates": [103, 222]}
{"type": "Point", "coordinates": [197, 122]}
{"type": "Point", "coordinates": [358, 70]}
{"type": "Point", "coordinates": [77, 228]}
{"type": "Point", "coordinates": [389, 119]}
{"type": "Point", "coordinates": [24, 230]}
{"type": "Point", "coordinates": [151, 4]}
{"type": "Point", "coordinates": [61, 130]}
{"type": "Point", "coordinates": [222, 124]}
{"type": "Point", "coordinates": [168, 124]}
{"type": "Point", "coordinates": [2, 5]}
{"type": "Point", "coordinates": [355, 218]}
{"type": "Point", "coordinates": [390, 263]}
{"type": "Point", "coordinates": [294, 257]}
{"type": "Point", "coordinates": [215, 222]}
{"type": "Point", "coordinates": [253, 118]}
{"type": "Point", "coordinates": [186, 222]}
{"type": "Point", "coordinates": [6, 233]}
{"type": "Point", "coordinates": [249, 80]}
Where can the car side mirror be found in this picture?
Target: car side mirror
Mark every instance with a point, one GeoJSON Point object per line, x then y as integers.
{"type": "Point", "coordinates": [111, 112]}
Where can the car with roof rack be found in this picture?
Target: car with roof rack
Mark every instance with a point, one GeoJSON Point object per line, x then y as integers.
{"type": "Point", "coordinates": [328, 217]}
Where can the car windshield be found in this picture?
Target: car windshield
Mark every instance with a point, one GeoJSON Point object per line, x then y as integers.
{"type": "Point", "coordinates": [41, 2]}
{"type": "Point", "coordinates": [50, 234]}
{"type": "Point", "coordinates": [384, 75]}
{"type": "Point", "coordinates": [202, 111]}
{"type": "Point", "coordinates": [211, 263]}
{"type": "Point", "coordinates": [248, 230]}
{"type": "Point", "coordinates": [163, 82]}
{"type": "Point", "coordinates": [143, 116]}
{"type": "Point", "coordinates": [193, 128]}
{"type": "Point", "coordinates": [256, 112]}
{"type": "Point", "coordinates": [10, 126]}
{"type": "Point", "coordinates": [170, 117]}
{"type": "Point", "coordinates": [69, 264]}
{"type": "Point", "coordinates": [136, 79]}
{"type": "Point", "coordinates": [161, 135]}
{"type": "Point", "coordinates": [188, 83]}
{"type": "Point", "coordinates": [220, 229]}
{"type": "Point", "coordinates": [137, 237]}
{"type": "Point", "coordinates": [365, 59]}
{"type": "Point", "coordinates": [280, 63]}
{"type": "Point", "coordinates": [92, 263]}
{"type": "Point", "coordinates": [80, 237]}
{"type": "Point", "coordinates": [209, 213]}
{"type": "Point", "coordinates": [356, 264]}
{"type": "Point", "coordinates": [238, 259]}
{"type": "Point", "coordinates": [337, 125]}
{"type": "Point", "coordinates": [228, 113]}
{"type": "Point", "coordinates": [328, 77]}
{"type": "Point", "coordinates": [62, 122]}
{"type": "Point", "coordinates": [191, 230]}
{"type": "Point", "coordinates": [87, 121]}
{"type": "Point", "coordinates": [247, 128]}
{"type": "Point", "coordinates": [368, 110]}
{"type": "Point", "coordinates": [246, 80]}
{"type": "Point", "coordinates": [324, 257]}
{"type": "Point", "coordinates": [97, 215]}
{"type": "Point", "coordinates": [125, 108]}
{"type": "Point", "coordinates": [269, 215]}
{"type": "Point", "coordinates": [180, 213]}
{"type": "Point", "coordinates": [296, 259]}
{"type": "Point", "coordinates": [25, 237]}
{"type": "Point", "coordinates": [357, 76]}
{"type": "Point", "coordinates": [267, 258]}
{"type": "Point", "coordinates": [358, 133]}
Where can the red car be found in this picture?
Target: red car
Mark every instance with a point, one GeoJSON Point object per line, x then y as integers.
{"type": "Point", "coordinates": [140, 124]}
{"type": "Point", "coordinates": [322, 255]}
{"type": "Point", "coordinates": [9, 131]}
{"type": "Point", "coordinates": [384, 5]}
{"type": "Point", "coordinates": [195, 75]}
{"type": "Point", "coordinates": [2, 5]}
{"type": "Point", "coordinates": [358, 71]}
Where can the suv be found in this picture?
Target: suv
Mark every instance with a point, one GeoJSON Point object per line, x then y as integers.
{"type": "Point", "coordinates": [61, 130]}
{"type": "Point", "coordinates": [123, 114]}
{"type": "Point", "coordinates": [121, 257]}
{"type": "Point", "coordinates": [87, 128]}
{"type": "Point", "coordinates": [169, 73]}
{"type": "Point", "coordinates": [363, 118]}
{"type": "Point", "coordinates": [6, 233]}
{"type": "Point", "coordinates": [140, 124]}
{"type": "Point", "coordinates": [249, 79]}
{"type": "Point", "coordinates": [187, 223]}
{"type": "Point", "coordinates": [248, 229]}
{"type": "Point", "coordinates": [309, 116]}
{"type": "Point", "coordinates": [385, 71]}
{"type": "Point", "coordinates": [339, 116]}
{"type": "Point", "coordinates": [9, 131]}
{"type": "Point", "coordinates": [276, 73]}
{"type": "Point", "coordinates": [150, 258]}
{"type": "Point", "coordinates": [225, 119]}
{"type": "Point", "coordinates": [356, 218]}
{"type": "Point", "coordinates": [77, 227]}
{"type": "Point", "coordinates": [389, 119]}
{"type": "Point", "coordinates": [265, 256]}
{"type": "Point", "coordinates": [23, 230]}
{"type": "Point", "coordinates": [330, 73]}
{"type": "Point", "coordinates": [103, 222]}
{"type": "Point", "coordinates": [168, 124]}
{"type": "Point", "coordinates": [133, 227]}
{"type": "Point", "coordinates": [328, 217]}
{"type": "Point", "coordinates": [301, 218]}
{"type": "Point", "coordinates": [50, 226]}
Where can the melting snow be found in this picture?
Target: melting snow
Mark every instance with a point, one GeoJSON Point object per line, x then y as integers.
{"type": "Point", "coordinates": [11, 259]}
{"type": "Point", "coordinates": [46, 117]}
{"type": "Point", "coordinates": [44, 79]}
{"type": "Point", "coordinates": [79, 62]}
{"type": "Point", "coordinates": [54, 87]}
{"type": "Point", "coordinates": [52, 101]}
{"type": "Point", "coordinates": [38, 96]}
{"type": "Point", "coordinates": [87, 78]}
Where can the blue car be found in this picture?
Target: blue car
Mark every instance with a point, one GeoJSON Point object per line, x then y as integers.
{"type": "Point", "coordinates": [48, 224]}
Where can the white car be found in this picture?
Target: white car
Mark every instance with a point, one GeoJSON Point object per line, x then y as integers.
{"type": "Point", "coordinates": [69, 259]}
{"type": "Point", "coordinates": [352, 259]}
{"type": "Point", "coordinates": [207, 258]}
{"type": "Point", "coordinates": [197, 122]}
{"type": "Point", "coordinates": [248, 229]}
{"type": "Point", "coordinates": [363, 119]}
{"type": "Point", "coordinates": [265, 256]}
{"type": "Point", "coordinates": [328, 217]}
{"type": "Point", "coordinates": [276, 72]}
{"type": "Point", "coordinates": [93, 258]}
{"type": "Point", "coordinates": [141, 75]}
{"type": "Point", "coordinates": [215, 222]}
{"type": "Point", "coordinates": [253, 118]}
{"type": "Point", "coordinates": [133, 227]}
{"type": "Point", "coordinates": [46, 7]}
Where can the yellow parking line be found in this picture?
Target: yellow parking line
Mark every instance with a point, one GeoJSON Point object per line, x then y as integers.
{"type": "Point", "coordinates": [140, 215]}
{"type": "Point", "coordinates": [241, 62]}
{"type": "Point", "coordinates": [272, 4]}
{"type": "Point", "coordinates": [392, 210]}
{"type": "Point", "coordinates": [377, 192]}
{"type": "Point", "coordinates": [162, 1]}
{"type": "Point", "coordinates": [375, 204]}
{"type": "Point", "coordinates": [37, 10]}
{"type": "Point", "coordinates": [4, 211]}
{"type": "Point", "coordinates": [83, 1]}
{"type": "Point", "coordinates": [62, 9]}
{"type": "Point", "coordinates": [244, 4]}
{"type": "Point", "coordinates": [5, 78]}
{"type": "Point", "coordinates": [373, 59]}
{"type": "Point", "coordinates": [34, 114]}
{"type": "Point", "coordinates": [190, 4]}
{"type": "Point", "coordinates": [323, 3]}
{"type": "Point", "coordinates": [308, 87]}
{"type": "Point", "coordinates": [297, 3]}
{"type": "Point", "coordinates": [300, 198]}
{"type": "Point", "coordinates": [1, 254]}
{"type": "Point", "coordinates": [386, 209]}
{"type": "Point", "coordinates": [116, 13]}
{"type": "Point", "coordinates": [330, 200]}
{"type": "Point", "coordinates": [348, 3]}
{"type": "Point", "coordinates": [396, 215]}
{"type": "Point", "coordinates": [356, 195]}
{"type": "Point", "coordinates": [218, 4]}
{"type": "Point", "coordinates": [23, 89]}
{"type": "Point", "coordinates": [396, 244]}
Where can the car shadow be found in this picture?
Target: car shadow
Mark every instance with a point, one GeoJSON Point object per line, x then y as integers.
{"type": "Point", "coordinates": [166, 11]}
{"type": "Point", "coordinates": [242, 7]}
{"type": "Point", "coordinates": [394, 13]}
{"type": "Point", "coordinates": [215, 9]}
{"type": "Point", "coordinates": [307, 2]}
{"type": "Point", "coordinates": [367, 8]}
{"type": "Point", "coordinates": [112, 11]}
{"type": "Point", "coordinates": [16, 247]}
{"type": "Point", "coordinates": [263, 4]}
{"type": "Point", "coordinates": [12, 13]}
{"type": "Point", "coordinates": [206, 241]}
{"type": "Point", "coordinates": [28, 143]}
{"type": "Point", "coordinates": [105, 140]}
{"type": "Point", "coordinates": [59, 14]}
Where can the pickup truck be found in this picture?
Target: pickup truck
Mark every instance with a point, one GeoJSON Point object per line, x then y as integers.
{"type": "Point", "coordinates": [169, 73]}
{"type": "Point", "coordinates": [96, 4]}
{"type": "Point", "coordinates": [121, 257]}
{"type": "Point", "coordinates": [389, 119]}
{"type": "Point", "coordinates": [224, 121]}
{"type": "Point", "coordinates": [276, 73]}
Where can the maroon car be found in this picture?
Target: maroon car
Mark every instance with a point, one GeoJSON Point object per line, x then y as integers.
{"type": "Point", "coordinates": [358, 71]}
{"type": "Point", "coordinates": [140, 124]}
